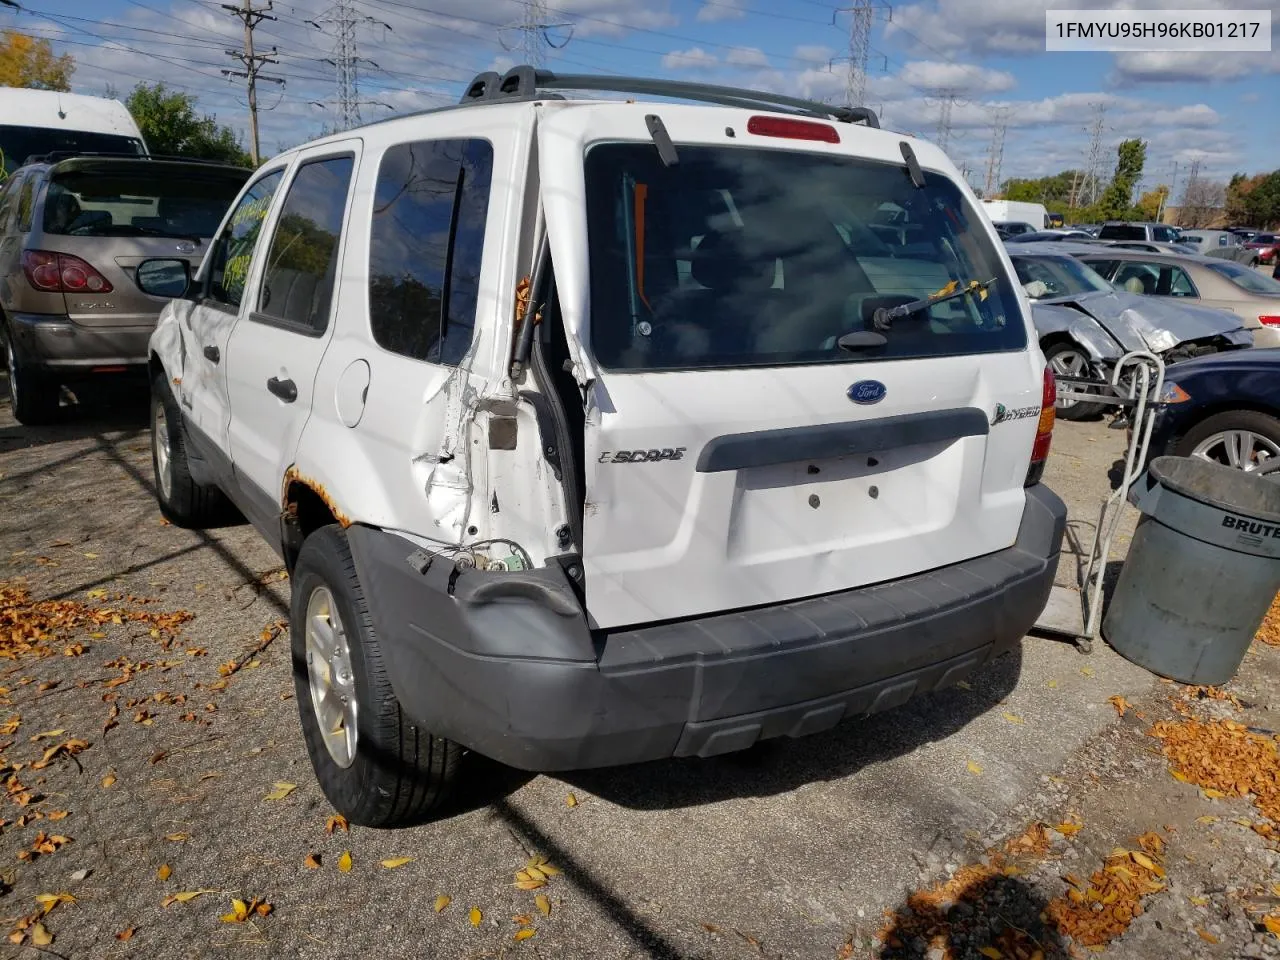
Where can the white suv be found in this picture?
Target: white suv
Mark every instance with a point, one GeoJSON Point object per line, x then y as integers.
{"type": "Point", "coordinates": [594, 432]}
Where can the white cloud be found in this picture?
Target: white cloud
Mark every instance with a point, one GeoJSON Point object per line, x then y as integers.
{"type": "Point", "coordinates": [713, 11]}
{"type": "Point", "coordinates": [746, 57]}
{"type": "Point", "coordinates": [962, 78]}
{"type": "Point", "coordinates": [695, 58]}
{"type": "Point", "coordinates": [814, 53]}
{"type": "Point", "coordinates": [1181, 67]}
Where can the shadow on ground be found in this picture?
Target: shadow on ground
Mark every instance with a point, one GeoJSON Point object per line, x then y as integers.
{"type": "Point", "coordinates": [94, 409]}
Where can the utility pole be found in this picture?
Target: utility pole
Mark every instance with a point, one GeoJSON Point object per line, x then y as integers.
{"type": "Point", "coordinates": [252, 64]}
{"type": "Point", "coordinates": [995, 154]}
{"type": "Point", "coordinates": [1164, 200]}
{"type": "Point", "coordinates": [1096, 130]}
{"type": "Point", "coordinates": [345, 21]}
{"type": "Point", "coordinates": [534, 39]}
{"type": "Point", "coordinates": [944, 117]}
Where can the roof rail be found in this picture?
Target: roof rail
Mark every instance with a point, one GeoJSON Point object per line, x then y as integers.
{"type": "Point", "coordinates": [54, 156]}
{"type": "Point", "coordinates": [524, 83]}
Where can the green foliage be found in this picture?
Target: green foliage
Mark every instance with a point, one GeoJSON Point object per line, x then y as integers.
{"type": "Point", "coordinates": [28, 62]}
{"type": "Point", "coordinates": [170, 125]}
{"type": "Point", "coordinates": [1149, 204]}
{"type": "Point", "coordinates": [1053, 192]}
{"type": "Point", "coordinates": [1254, 201]}
{"type": "Point", "coordinates": [1117, 201]}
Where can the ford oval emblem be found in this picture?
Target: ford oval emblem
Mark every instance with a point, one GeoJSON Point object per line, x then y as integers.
{"type": "Point", "coordinates": [867, 391]}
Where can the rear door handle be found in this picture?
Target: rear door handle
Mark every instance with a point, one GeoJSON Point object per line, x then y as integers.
{"type": "Point", "coordinates": [286, 390]}
{"type": "Point", "coordinates": [212, 354]}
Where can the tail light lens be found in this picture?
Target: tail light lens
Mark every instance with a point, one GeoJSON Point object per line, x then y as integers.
{"type": "Point", "coordinates": [790, 129]}
{"type": "Point", "coordinates": [62, 273]}
{"type": "Point", "coordinates": [1044, 430]}
{"type": "Point", "coordinates": [1270, 320]}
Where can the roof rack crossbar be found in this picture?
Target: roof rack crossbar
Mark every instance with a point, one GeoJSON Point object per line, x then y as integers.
{"type": "Point", "coordinates": [55, 156]}
{"type": "Point", "coordinates": [524, 82]}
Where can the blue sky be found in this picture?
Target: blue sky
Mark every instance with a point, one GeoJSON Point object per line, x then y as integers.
{"type": "Point", "coordinates": [984, 56]}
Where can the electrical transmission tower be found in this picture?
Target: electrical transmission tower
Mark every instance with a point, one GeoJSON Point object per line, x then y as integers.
{"type": "Point", "coordinates": [945, 104]}
{"type": "Point", "coordinates": [534, 38]}
{"type": "Point", "coordinates": [995, 154]}
{"type": "Point", "coordinates": [343, 21]}
{"type": "Point", "coordinates": [1097, 128]}
{"type": "Point", "coordinates": [252, 63]}
{"type": "Point", "coordinates": [1168, 195]}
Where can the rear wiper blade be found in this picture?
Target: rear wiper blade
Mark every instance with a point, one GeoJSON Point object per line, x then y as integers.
{"type": "Point", "coordinates": [883, 317]}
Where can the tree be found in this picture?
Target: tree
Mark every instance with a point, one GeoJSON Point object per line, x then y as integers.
{"type": "Point", "coordinates": [169, 124]}
{"type": "Point", "coordinates": [1116, 202]}
{"type": "Point", "coordinates": [1255, 200]}
{"type": "Point", "coordinates": [1203, 202]}
{"type": "Point", "coordinates": [1152, 202]}
{"type": "Point", "coordinates": [28, 62]}
{"type": "Point", "coordinates": [1052, 191]}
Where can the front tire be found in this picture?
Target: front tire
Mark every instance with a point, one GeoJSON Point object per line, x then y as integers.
{"type": "Point", "coordinates": [1069, 360]}
{"type": "Point", "coordinates": [182, 501]}
{"type": "Point", "coordinates": [1243, 439]}
{"type": "Point", "coordinates": [32, 395]}
{"type": "Point", "coordinates": [375, 764]}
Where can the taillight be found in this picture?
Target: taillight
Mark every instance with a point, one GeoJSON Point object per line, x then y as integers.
{"type": "Point", "coordinates": [1044, 430]}
{"type": "Point", "coordinates": [62, 273]}
{"type": "Point", "coordinates": [1270, 320]}
{"type": "Point", "coordinates": [792, 129]}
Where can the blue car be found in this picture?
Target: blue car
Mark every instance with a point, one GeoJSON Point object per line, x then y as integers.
{"type": "Point", "coordinates": [1224, 407]}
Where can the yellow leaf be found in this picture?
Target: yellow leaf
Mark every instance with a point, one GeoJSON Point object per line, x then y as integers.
{"type": "Point", "coordinates": [548, 870]}
{"type": "Point", "coordinates": [543, 904]}
{"type": "Point", "coordinates": [1272, 923]}
{"type": "Point", "coordinates": [1087, 671]}
{"type": "Point", "coordinates": [1199, 901]}
{"type": "Point", "coordinates": [975, 769]}
{"type": "Point", "coordinates": [1120, 703]}
{"type": "Point", "coordinates": [964, 685]}
{"type": "Point", "coordinates": [1013, 718]}
{"type": "Point", "coordinates": [280, 791]}
{"type": "Point", "coordinates": [177, 837]}
{"type": "Point", "coordinates": [1179, 775]}
{"type": "Point", "coordinates": [40, 936]}
{"type": "Point", "coordinates": [344, 861]}
{"type": "Point", "coordinates": [1142, 860]}
{"type": "Point", "coordinates": [48, 901]}
{"type": "Point", "coordinates": [164, 872]}
{"type": "Point", "coordinates": [312, 861]}
{"type": "Point", "coordinates": [1213, 794]}
{"type": "Point", "coordinates": [96, 594]}
{"type": "Point", "coordinates": [442, 901]}
{"type": "Point", "coordinates": [571, 801]}
{"type": "Point", "coordinates": [335, 822]}
{"type": "Point", "coordinates": [991, 952]}
{"type": "Point", "coordinates": [1206, 936]}
{"type": "Point", "coordinates": [524, 933]}
{"type": "Point", "coordinates": [475, 916]}
{"type": "Point", "coordinates": [394, 862]}
{"type": "Point", "coordinates": [185, 897]}
{"type": "Point", "coordinates": [1052, 684]}
{"type": "Point", "coordinates": [239, 912]}
{"type": "Point", "coordinates": [530, 884]}
{"type": "Point", "coordinates": [109, 779]}
{"type": "Point", "coordinates": [535, 874]}
{"type": "Point", "coordinates": [1207, 818]}
{"type": "Point", "coordinates": [91, 556]}
{"type": "Point", "coordinates": [1275, 889]}
{"type": "Point", "coordinates": [48, 734]}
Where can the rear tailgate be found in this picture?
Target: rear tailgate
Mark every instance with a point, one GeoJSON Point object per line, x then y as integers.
{"type": "Point", "coordinates": [735, 456]}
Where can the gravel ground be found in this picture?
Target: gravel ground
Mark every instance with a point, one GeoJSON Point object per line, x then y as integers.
{"type": "Point", "coordinates": [794, 849]}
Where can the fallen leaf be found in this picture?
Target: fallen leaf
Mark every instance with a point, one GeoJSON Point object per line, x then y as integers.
{"type": "Point", "coordinates": [974, 768]}
{"type": "Point", "coordinates": [1272, 923]}
{"type": "Point", "coordinates": [1207, 818]}
{"type": "Point", "coordinates": [40, 936]}
{"type": "Point", "coordinates": [312, 861]}
{"type": "Point", "coordinates": [126, 934]}
{"type": "Point", "coordinates": [96, 594]}
{"type": "Point", "coordinates": [991, 952]}
{"type": "Point", "coordinates": [1199, 901]}
{"type": "Point", "coordinates": [1013, 718]}
{"type": "Point", "coordinates": [1206, 936]}
{"type": "Point", "coordinates": [475, 916]}
{"type": "Point", "coordinates": [48, 901]}
{"type": "Point", "coordinates": [1069, 829]}
{"type": "Point", "coordinates": [280, 791]}
{"type": "Point", "coordinates": [1120, 703]}
{"type": "Point", "coordinates": [48, 735]}
{"type": "Point", "coordinates": [263, 909]}
{"type": "Point", "coordinates": [91, 556]}
{"type": "Point", "coordinates": [239, 912]}
{"type": "Point", "coordinates": [336, 822]}
{"type": "Point", "coordinates": [530, 884]}
{"type": "Point", "coordinates": [964, 684]}
{"type": "Point", "coordinates": [394, 862]}
{"type": "Point", "coordinates": [81, 874]}
{"type": "Point", "coordinates": [442, 901]}
{"type": "Point", "coordinates": [56, 815]}
{"type": "Point", "coordinates": [344, 862]}
{"type": "Point", "coordinates": [523, 920]}
{"type": "Point", "coordinates": [571, 801]}
{"type": "Point", "coordinates": [1052, 684]}
{"type": "Point", "coordinates": [1087, 671]}
{"type": "Point", "coordinates": [524, 933]}
{"type": "Point", "coordinates": [1212, 794]}
{"type": "Point", "coordinates": [543, 904]}
{"type": "Point", "coordinates": [178, 837]}
{"type": "Point", "coordinates": [185, 896]}
{"type": "Point", "coordinates": [165, 872]}
{"type": "Point", "coordinates": [108, 780]}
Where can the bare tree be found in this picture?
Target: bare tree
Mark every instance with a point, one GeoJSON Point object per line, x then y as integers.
{"type": "Point", "coordinates": [1203, 201]}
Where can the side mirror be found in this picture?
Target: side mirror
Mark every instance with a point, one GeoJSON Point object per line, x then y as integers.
{"type": "Point", "coordinates": [163, 277]}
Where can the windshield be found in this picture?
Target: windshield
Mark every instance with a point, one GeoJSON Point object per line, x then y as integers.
{"type": "Point", "coordinates": [18, 143]}
{"type": "Point", "coordinates": [1244, 278]}
{"type": "Point", "coordinates": [137, 204]}
{"type": "Point", "coordinates": [1061, 277]}
{"type": "Point", "coordinates": [744, 257]}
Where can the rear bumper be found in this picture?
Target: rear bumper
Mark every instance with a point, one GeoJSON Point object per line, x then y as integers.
{"type": "Point", "coordinates": [53, 342]}
{"type": "Point", "coordinates": [508, 667]}
{"type": "Point", "coordinates": [1266, 336]}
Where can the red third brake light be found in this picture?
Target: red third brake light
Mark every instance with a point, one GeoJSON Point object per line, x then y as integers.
{"type": "Point", "coordinates": [62, 273]}
{"type": "Point", "coordinates": [1269, 321]}
{"type": "Point", "coordinates": [792, 129]}
{"type": "Point", "coordinates": [1044, 430]}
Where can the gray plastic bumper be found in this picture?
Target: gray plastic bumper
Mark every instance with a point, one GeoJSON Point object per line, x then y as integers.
{"type": "Point", "coordinates": [505, 664]}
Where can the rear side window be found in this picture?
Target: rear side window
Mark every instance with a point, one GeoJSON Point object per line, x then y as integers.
{"type": "Point", "coordinates": [297, 287]}
{"type": "Point", "coordinates": [26, 203]}
{"type": "Point", "coordinates": [743, 257]}
{"type": "Point", "coordinates": [429, 211]}
{"type": "Point", "coordinates": [1122, 231]}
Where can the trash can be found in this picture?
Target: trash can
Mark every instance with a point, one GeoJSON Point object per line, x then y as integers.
{"type": "Point", "coordinates": [1202, 570]}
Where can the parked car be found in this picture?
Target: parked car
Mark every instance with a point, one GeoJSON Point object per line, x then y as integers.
{"type": "Point", "coordinates": [1089, 228]}
{"type": "Point", "coordinates": [1264, 247]}
{"type": "Point", "coordinates": [1205, 281]}
{"type": "Point", "coordinates": [674, 530]}
{"type": "Point", "coordinates": [1224, 408]}
{"type": "Point", "coordinates": [1150, 246]}
{"type": "Point", "coordinates": [72, 232]}
{"type": "Point", "coordinates": [1125, 230]}
{"type": "Point", "coordinates": [1007, 229]}
{"type": "Point", "coordinates": [1085, 325]}
{"type": "Point", "coordinates": [1041, 236]}
{"type": "Point", "coordinates": [1206, 240]}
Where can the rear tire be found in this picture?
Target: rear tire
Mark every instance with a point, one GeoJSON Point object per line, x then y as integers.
{"type": "Point", "coordinates": [392, 773]}
{"type": "Point", "coordinates": [1068, 359]}
{"type": "Point", "coordinates": [32, 394]}
{"type": "Point", "coordinates": [182, 501]}
{"type": "Point", "coordinates": [1244, 439]}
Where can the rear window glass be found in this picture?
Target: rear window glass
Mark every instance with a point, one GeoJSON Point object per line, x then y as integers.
{"type": "Point", "coordinates": [1122, 231]}
{"type": "Point", "coordinates": [1246, 279]}
{"type": "Point", "coordinates": [1164, 234]}
{"type": "Point", "coordinates": [17, 143]}
{"type": "Point", "coordinates": [142, 204]}
{"type": "Point", "coordinates": [740, 257]}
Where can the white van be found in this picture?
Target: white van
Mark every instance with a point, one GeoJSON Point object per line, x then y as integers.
{"type": "Point", "coordinates": [38, 122]}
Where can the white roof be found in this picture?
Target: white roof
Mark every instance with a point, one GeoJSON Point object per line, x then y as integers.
{"type": "Point", "coordinates": [65, 111]}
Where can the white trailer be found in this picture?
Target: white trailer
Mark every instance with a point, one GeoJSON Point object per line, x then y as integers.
{"type": "Point", "coordinates": [1015, 211]}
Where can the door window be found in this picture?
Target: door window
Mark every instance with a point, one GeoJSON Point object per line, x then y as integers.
{"type": "Point", "coordinates": [232, 251]}
{"type": "Point", "coordinates": [297, 287]}
{"type": "Point", "coordinates": [425, 248]}
{"type": "Point", "coordinates": [1180, 284]}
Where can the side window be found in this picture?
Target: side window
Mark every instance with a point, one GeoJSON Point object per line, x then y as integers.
{"type": "Point", "coordinates": [427, 241]}
{"type": "Point", "coordinates": [26, 203]}
{"type": "Point", "coordinates": [1104, 267]}
{"type": "Point", "coordinates": [8, 191]}
{"type": "Point", "coordinates": [297, 288]}
{"type": "Point", "coordinates": [1180, 284]}
{"type": "Point", "coordinates": [1137, 277]}
{"type": "Point", "coordinates": [234, 247]}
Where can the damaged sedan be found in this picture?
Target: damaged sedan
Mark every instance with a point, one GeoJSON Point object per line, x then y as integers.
{"type": "Point", "coordinates": [1085, 324]}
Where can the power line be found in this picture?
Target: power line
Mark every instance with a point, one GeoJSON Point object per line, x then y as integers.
{"type": "Point", "coordinates": [947, 101]}
{"type": "Point", "coordinates": [253, 62]}
{"type": "Point", "coordinates": [345, 21]}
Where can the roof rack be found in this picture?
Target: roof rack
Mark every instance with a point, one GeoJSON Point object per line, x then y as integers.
{"type": "Point", "coordinates": [55, 156]}
{"type": "Point", "coordinates": [524, 83]}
